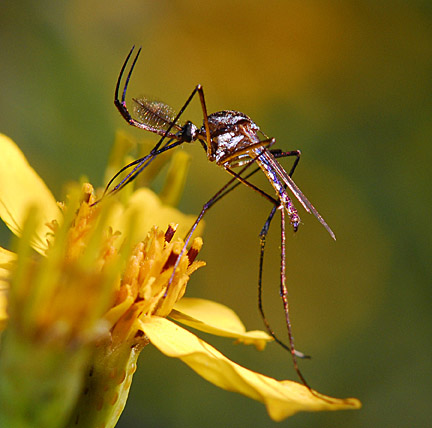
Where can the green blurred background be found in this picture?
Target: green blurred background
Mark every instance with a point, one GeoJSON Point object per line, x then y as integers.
{"type": "Point", "coordinates": [348, 83]}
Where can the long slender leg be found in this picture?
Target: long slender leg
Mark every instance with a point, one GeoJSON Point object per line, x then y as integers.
{"type": "Point", "coordinates": [279, 154]}
{"type": "Point", "coordinates": [263, 236]}
{"type": "Point", "coordinates": [284, 296]}
{"type": "Point", "coordinates": [205, 115]}
{"type": "Point", "coordinates": [121, 105]}
{"type": "Point", "coordinates": [140, 165]}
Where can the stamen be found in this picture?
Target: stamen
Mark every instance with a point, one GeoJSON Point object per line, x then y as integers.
{"type": "Point", "coordinates": [194, 250]}
{"type": "Point", "coordinates": [170, 232]}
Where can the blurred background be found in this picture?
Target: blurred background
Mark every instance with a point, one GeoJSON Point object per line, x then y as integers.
{"type": "Point", "coordinates": [349, 84]}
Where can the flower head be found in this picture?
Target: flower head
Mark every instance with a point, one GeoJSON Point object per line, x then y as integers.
{"type": "Point", "coordinates": [95, 293]}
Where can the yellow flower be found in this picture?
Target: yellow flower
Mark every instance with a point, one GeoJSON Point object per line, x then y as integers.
{"type": "Point", "coordinates": [99, 290]}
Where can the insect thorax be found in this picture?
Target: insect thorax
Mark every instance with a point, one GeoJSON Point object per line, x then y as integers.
{"type": "Point", "coordinates": [231, 132]}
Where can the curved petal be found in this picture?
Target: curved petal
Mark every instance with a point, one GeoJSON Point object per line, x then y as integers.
{"type": "Point", "coordinates": [20, 188]}
{"type": "Point", "coordinates": [282, 399]}
{"type": "Point", "coordinates": [217, 319]}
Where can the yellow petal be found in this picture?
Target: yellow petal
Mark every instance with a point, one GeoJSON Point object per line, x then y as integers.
{"type": "Point", "coordinates": [282, 399]}
{"type": "Point", "coordinates": [6, 260]}
{"type": "Point", "coordinates": [3, 309]}
{"type": "Point", "coordinates": [20, 188]}
{"type": "Point", "coordinates": [147, 210]}
{"type": "Point", "coordinates": [175, 179]}
{"type": "Point", "coordinates": [6, 263]}
{"type": "Point", "coordinates": [217, 319]}
{"type": "Point", "coordinates": [116, 312]}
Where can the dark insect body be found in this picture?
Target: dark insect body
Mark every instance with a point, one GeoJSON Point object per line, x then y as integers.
{"type": "Point", "coordinates": [231, 139]}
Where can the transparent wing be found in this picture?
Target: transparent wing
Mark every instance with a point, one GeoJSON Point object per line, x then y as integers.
{"type": "Point", "coordinates": [155, 113]}
{"type": "Point", "coordinates": [269, 158]}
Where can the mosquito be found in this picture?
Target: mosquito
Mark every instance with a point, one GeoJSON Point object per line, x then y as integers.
{"type": "Point", "coordinates": [231, 140]}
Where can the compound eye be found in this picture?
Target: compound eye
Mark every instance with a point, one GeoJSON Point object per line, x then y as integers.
{"type": "Point", "coordinates": [189, 132]}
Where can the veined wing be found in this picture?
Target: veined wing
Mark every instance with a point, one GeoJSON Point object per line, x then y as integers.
{"type": "Point", "coordinates": [155, 114]}
{"type": "Point", "coordinates": [266, 156]}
